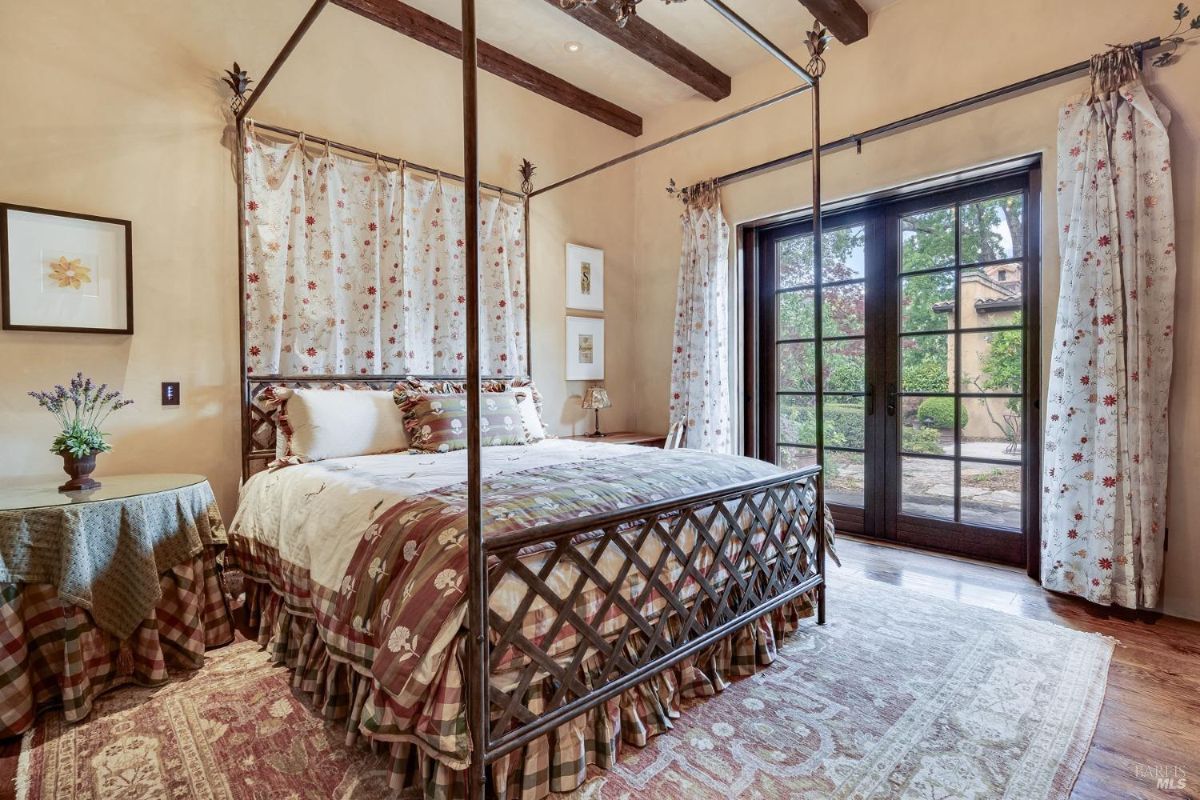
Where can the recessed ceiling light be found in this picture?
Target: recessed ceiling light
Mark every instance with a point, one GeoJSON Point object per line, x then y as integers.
{"type": "Point", "coordinates": [572, 47]}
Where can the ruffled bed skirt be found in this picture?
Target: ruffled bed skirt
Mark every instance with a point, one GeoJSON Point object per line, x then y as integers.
{"type": "Point", "coordinates": [52, 654]}
{"type": "Point", "coordinates": [556, 762]}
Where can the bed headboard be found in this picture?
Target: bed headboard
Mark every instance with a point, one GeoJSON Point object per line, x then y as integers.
{"type": "Point", "coordinates": [259, 427]}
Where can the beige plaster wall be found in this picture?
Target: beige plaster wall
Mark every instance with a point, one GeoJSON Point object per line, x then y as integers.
{"type": "Point", "coordinates": [115, 109]}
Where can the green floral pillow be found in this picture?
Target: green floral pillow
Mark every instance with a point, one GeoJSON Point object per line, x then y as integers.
{"type": "Point", "coordinates": [437, 423]}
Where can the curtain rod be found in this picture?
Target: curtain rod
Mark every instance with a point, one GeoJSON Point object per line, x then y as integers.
{"type": "Point", "coordinates": [917, 120]}
{"type": "Point", "coordinates": [371, 154]}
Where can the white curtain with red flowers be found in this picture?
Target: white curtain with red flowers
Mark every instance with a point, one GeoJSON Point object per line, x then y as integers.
{"type": "Point", "coordinates": [1105, 472]}
{"type": "Point", "coordinates": [353, 268]}
{"type": "Point", "coordinates": [434, 285]}
{"type": "Point", "coordinates": [700, 359]}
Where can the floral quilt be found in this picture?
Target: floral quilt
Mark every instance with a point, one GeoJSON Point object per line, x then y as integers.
{"type": "Point", "coordinates": [408, 575]}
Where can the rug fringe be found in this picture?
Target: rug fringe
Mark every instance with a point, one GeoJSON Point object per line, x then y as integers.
{"type": "Point", "coordinates": [22, 780]}
{"type": "Point", "coordinates": [1077, 754]}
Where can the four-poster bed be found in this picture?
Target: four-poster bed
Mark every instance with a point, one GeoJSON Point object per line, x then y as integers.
{"type": "Point", "coordinates": [623, 583]}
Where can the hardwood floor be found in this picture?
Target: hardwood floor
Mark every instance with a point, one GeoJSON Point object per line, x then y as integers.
{"type": "Point", "coordinates": [1150, 724]}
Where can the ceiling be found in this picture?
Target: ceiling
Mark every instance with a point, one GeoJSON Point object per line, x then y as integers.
{"type": "Point", "coordinates": [537, 32]}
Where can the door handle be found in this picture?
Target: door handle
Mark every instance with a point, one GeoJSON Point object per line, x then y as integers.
{"type": "Point", "coordinates": [870, 399]}
{"type": "Point", "coordinates": [891, 400]}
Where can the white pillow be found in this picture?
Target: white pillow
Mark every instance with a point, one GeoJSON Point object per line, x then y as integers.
{"type": "Point", "coordinates": [534, 430]}
{"type": "Point", "coordinates": [315, 424]}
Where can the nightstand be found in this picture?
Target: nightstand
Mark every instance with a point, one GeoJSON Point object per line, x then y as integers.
{"type": "Point", "coordinates": [626, 437]}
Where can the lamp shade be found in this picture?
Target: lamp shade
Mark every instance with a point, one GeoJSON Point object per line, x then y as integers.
{"type": "Point", "coordinates": [596, 397]}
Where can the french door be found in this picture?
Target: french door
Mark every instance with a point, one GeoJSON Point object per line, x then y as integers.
{"type": "Point", "coordinates": [928, 340]}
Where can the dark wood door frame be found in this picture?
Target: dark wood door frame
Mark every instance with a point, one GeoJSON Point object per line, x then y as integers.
{"type": "Point", "coordinates": [848, 518]}
{"type": "Point", "coordinates": [758, 351]}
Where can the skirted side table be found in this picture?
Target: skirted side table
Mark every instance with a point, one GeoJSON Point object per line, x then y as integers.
{"type": "Point", "coordinates": [105, 587]}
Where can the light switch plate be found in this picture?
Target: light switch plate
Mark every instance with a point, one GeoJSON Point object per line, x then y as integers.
{"type": "Point", "coordinates": [170, 393]}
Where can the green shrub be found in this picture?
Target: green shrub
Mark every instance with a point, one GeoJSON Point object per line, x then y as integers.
{"type": "Point", "coordinates": [845, 373]}
{"type": "Point", "coordinates": [922, 440]}
{"type": "Point", "coordinates": [926, 372]}
{"type": "Point", "coordinates": [843, 425]}
{"type": "Point", "coordinates": [938, 412]}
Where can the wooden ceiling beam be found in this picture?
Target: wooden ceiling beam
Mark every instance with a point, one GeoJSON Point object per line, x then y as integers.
{"type": "Point", "coordinates": [652, 45]}
{"type": "Point", "coordinates": [431, 31]}
{"type": "Point", "coordinates": [846, 19]}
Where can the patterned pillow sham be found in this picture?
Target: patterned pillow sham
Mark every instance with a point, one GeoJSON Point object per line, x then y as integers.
{"type": "Point", "coordinates": [437, 423]}
{"type": "Point", "coordinates": [527, 395]}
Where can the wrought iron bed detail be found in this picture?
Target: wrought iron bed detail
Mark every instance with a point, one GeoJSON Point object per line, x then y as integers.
{"type": "Point", "coordinates": [753, 547]}
{"type": "Point", "coordinates": [757, 546]}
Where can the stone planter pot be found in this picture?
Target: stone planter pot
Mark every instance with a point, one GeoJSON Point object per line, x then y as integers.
{"type": "Point", "coordinates": [80, 470]}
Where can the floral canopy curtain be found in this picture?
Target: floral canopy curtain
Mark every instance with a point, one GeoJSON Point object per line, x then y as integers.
{"type": "Point", "coordinates": [700, 359]}
{"type": "Point", "coordinates": [1104, 501]}
{"type": "Point", "coordinates": [352, 268]}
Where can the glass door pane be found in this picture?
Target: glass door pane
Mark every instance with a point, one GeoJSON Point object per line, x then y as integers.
{"type": "Point", "coordinates": [843, 346]}
{"type": "Point", "coordinates": [958, 389]}
{"type": "Point", "coordinates": [925, 297]}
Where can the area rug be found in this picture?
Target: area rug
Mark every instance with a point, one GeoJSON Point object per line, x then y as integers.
{"type": "Point", "coordinates": [233, 729]}
{"type": "Point", "coordinates": [901, 695]}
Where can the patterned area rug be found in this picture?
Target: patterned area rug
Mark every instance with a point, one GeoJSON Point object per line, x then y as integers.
{"type": "Point", "coordinates": [901, 695]}
{"type": "Point", "coordinates": [232, 729]}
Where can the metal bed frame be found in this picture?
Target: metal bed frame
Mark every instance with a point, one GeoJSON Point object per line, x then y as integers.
{"type": "Point", "coordinates": [757, 545]}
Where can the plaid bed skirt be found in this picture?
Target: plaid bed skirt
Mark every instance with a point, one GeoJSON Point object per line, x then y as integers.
{"type": "Point", "coordinates": [52, 654]}
{"type": "Point", "coordinates": [557, 762]}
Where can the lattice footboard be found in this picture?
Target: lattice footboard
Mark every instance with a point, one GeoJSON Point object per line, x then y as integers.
{"type": "Point", "coordinates": [634, 591]}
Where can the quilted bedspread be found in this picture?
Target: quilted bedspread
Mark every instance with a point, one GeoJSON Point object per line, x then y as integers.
{"type": "Point", "coordinates": [373, 548]}
{"type": "Point", "coordinates": [408, 577]}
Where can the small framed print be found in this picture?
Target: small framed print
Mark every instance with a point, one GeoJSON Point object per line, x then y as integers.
{"type": "Point", "coordinates": [585, 349]}
{"type": "Point", "coordinates": [65, 272]}
{"type": "Point", "coordinates": [585, 278]}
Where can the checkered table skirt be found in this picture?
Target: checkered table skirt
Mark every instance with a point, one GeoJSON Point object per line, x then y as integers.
{"type": "Point", "coordinates": [53, 654]}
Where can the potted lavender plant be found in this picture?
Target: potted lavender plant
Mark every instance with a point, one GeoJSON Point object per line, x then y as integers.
{"type": "Point", "coordinates": [81, 409]}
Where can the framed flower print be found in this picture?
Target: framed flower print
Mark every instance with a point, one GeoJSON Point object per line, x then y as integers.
{"type": "Point", "coordinates": [585, 278]}
{"type": "Point", "coordinates": [66, 272]}
{"type": "Point", "coordinates": [585, 349]}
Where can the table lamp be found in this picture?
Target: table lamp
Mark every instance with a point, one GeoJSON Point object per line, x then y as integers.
{"type": "Point", "coordinates": [596, 398]}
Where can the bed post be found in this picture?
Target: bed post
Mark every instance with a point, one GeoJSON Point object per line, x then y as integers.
{"type": "Point", "coordinates": [239, 117]}
{"type": "Point", "coordinates": [244, 379]}
{"type": "Point", "coordinates": [818, 356]}
{"type": "Point", "coordinates": [477, 596]}
{"type": "Point", "coordinates": [526, 171]}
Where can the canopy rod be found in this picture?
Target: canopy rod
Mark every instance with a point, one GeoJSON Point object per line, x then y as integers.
{"type": "Point", "coordinates": [371, 154]}
{"type": "Point", "coordinates": [762, 41]}
{"type": "Point", "coordinates": [926, 117]}
{"type": "Point", "coordinates": [478, 670]}
{"type": "Point", "coordinates": [641, 151]}
{"type": "Point", "coordinates": [317, 7]}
